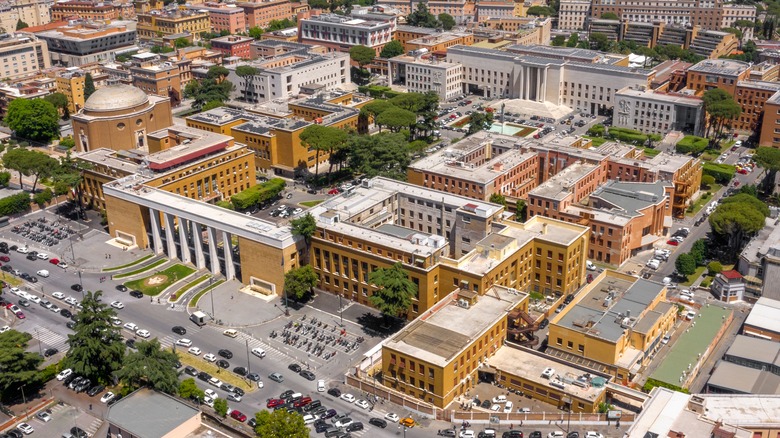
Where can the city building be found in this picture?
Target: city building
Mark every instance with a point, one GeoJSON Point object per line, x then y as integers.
{"type": "Point", "coordinates": [261, 13]}
{"type": "Point", "coordinates": [759, 263]}
{"type": "Point", "coordinates": [84, 10]}
{"type": "Point", "coordinates": [71, 84]}
{"type": "Point", "coordinates": [22, 55]}
{"type": "Point", "coordinates": [227, 17]}
{"type": "Point", "coordinates": [722, 73]}
{"type": "Point", "coordinates": [439, 42]}
{"type": "Point", "coordinates": [436, 357]}
{"type": "Point", "coordinates": [762, 321]}
{"type": "Point", "coordinates": [233, 45]}
{"type": "Point", "coordinates": [421, 75]}
{"type": "Point", "coordinates": [529, 30]}
{"type": "Point", "coordinates": [190, 61]}
{"type": "Point", "coordinates": [730, 378]}
{"type": "Point", "coordinates": [30, 90]}
{"type": "Point", "coordinates": [339, 32]}
{"type": "Point", "coordinates": [32, 12]}
{"type": "Point", "coordinates": [79, 43]}
{"type": "Point", "coordinates": [283, 76]}
{"type": "Point", "coordinates": [751, 97]}
{"type": "Point", "coordinates": [463, 11]}
{"type": "Point", "coordinates": [155, 24]}
{"type": "Point", "coordinates": [155, 77]}
{"type": "Point", "coordinates": [655, 112]}
{"type": "Point", "coordinates": [728, 286]}
{"type": "Point", "coordinates": [146, 413]}
{"type": "Point", "coordinates": [112, 111]}
{"type": "Point", "coordinates": [614, 324]}
{"type": "Point", "coordinates": [770, 123]}
{"type": "Point", "coordinates": [573, 14]}
{"type": "Point", "coordinates": [289, 35]}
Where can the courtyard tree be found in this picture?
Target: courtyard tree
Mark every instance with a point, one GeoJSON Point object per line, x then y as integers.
{"type": "Point", "coordinates": [521, 211]}
{"type": "Point", "coordinates": [375, 108]}
{"type": "Point", "coordinates": [769, 159]}
{"type": "Point", "coordinates": [96, 347]}
{"type": "Point", "coordinates": [685, 264]}
{"type": "Point", "coordinates": [280, 424]}
{"type": "Point", "coordinates": [735, 220]}
{"type": "Point", "coordinates": [446, 20]}
{"type": "Point", "coordinates": [362, 55]}
{"type": "Point", "coordinates": [300, 281]}
{"type": "Point", "coordinates": [89, 86]}
{"type": "Point", "coordinates": [322, 138]}
{"type": "Point", "coordinates": [720, 107]}
{"type": "Point", "coordinates": [394, 290]}
{"type": "Point", "coordinates": [392, 49]}
{"type": "Point", "coordinates": [29, 162]}
{"type": "Point", "coordinates": [150, 366]}
{"type": "Point", "coordinates": [304, 226]}
{"type": "Point", "coordinates": [396, 119]}
{"type": "Point", "coordinates": [382, 154]}
{"type": "Point", "coordinates": [59, 100]}
{"type": "Point", "coordinates": [19, 366]}
{"type": "Point", "coordinates": [498, 198]}
{"type": "Point", "coordinates": [33, 119]}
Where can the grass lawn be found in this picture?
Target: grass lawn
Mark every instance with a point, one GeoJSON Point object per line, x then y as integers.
{"type": "Point", "coordinates": [691, 278]}
{"type": "Point", "coordinates": [127, 265]}
{"type": "Point", "coordinates": [701, 202]}
{"type": "Point", "coordinates": [597, 141]}
{"type": "Point", "coordinates": [311, 203]}
{"type": "Point", "coordinates": [141, 270]}
{"type": "Point", "coordinates": [154, 284]}
{"type": "Point", "coordinates": [223, 375]}
{"type": "Point", "coordinates": [196, 298]}
{"type": "Point", "coordinates": [525, 132]}
{"type": "Point", "coordinates": [650, 152]}
{"type": "Point", "coordinates": [189, 286]}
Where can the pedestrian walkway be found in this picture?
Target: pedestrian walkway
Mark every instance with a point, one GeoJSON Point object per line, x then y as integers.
{"type": "Point", "coordinates": [93, 426]}
{"type": "Point", "coordinates": [51, 339]}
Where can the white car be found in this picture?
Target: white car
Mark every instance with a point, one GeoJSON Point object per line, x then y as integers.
{"type": "Point", "coordinates": [16, 291]}
{"type": "Point", "coordinates": [22, 250]}
{"type": "Point", "coordinates": [344, 422]}
{"type": "Point", "coordinates": [508, 407]}
{"type": "Point", "coordinates": [184, 342]}
{"type": "Point", "coordinates": [33, 298]}
{"type": "Point", "coordinates": [392, 417]}
{"type": "Point", "coordinates": [260, 384]}
{"type": "Point", "coordinates": [4, 329]}
{"type": "Point", "coordinates": [116, 321]}
{"type": "Point", "coordinates": [468, 433]}
{"type": "Point", "coordinates": [62, 265]}
{"type": "Point", "coordinates": [215, 382]}
{"type": "Point", "coordinates": [70, 300]}
{"type": "Point", "coordinates": [130, 326]}
{"type": "Point", "coordinates": [362, 404]}
{"type": "Point", "coordinates": [54, 308]}
{"type": "Point", "coordinates": [211, 357]}
{"type": "Point", "coordinates": [26, 428]}
{"type": "Point", "coordinates": [555, 434]}
{"type": "Point", "coordinates": [143, 333]}
{"type": "Point", "coordinates": [43, 273]}
{"type": "Point", "coordinates": [64, 374]}
{"type": "Point", "coordinates": [58, 295]}
{"type": "Point", "coordinates": [107, 397]}
{"type": "Point", "coordinates": [349, 398]}
{"type": "Point", "coordinates": [320, 385]}
{"type": "Point", "coordinates": [593, 434]}
{"type": "Point", "coordinates": [43, 416]}
{"type": "Point", "coordinates": [194, 351]}
{"type": "Point", "coordinates": [208, 401]}
{"type": "Point", "coordinates": [43, 256]}
{"type": "Point", "coordinates": [117, 305]}
{"type": "Point", "coordinates": [234, 397]}
{"type": "Point", "coordinates": [309, 418]}
{"type": "Point", "coordinates": [211, 393]}
{"type": "Point", "coordinates": [665, 340]}
{"type": "Point", "coordinates": [495, 408]}
{"type": "Point", "coordinates": [259, 352]}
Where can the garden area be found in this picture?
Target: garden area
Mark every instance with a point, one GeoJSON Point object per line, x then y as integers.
{"type": "Point", "coordinates": [625, 135]}
{"type": "Point", "coordinates": [154, 284]}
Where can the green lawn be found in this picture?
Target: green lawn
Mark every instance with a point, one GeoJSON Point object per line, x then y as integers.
{"type": "Point", "coordinates": [650, 152]}
{"type": "Point", "coordinates": [141, 270]}
{"type": "Point", "coordinates": [597, 141]}
{"type": "Point", "coordinates": [311, 203]}
{"type": "Point", "coordinates": [154, 284]}
{"type": "Point", "coordinates": [701, 202]}
{"type": "Point", "coordinates": [127, 265]}
{"type": "Point", "coordinates": [189, 286]}
{"type": "Point", "coordinates": [196, 298]}
{"type": "Point", "coordinates": [691, 278]}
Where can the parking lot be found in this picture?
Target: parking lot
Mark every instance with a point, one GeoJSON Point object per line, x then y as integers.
{"type": "Point", "coordinates": [60, 420]}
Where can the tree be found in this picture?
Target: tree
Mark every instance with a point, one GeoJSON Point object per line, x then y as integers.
{"type": "Point", "coordinates": [221, 407]}
{"type": "Point", "coordinates": [383, 154]}
{"type": "Point", "coordinates": [275, 25]}
{"type": "Point", "coordinates": [394, 292]}
{"type": "Point", "coordinates": [280, 424]}
{"type": "Point", "coordinates": [21, 24]}
{"type": "Point", "coordinates": [59, 100]}
{"type": "Point", "coordinates": [34, 119]}
{"type": "Point", "coordinates": [714, 268]}
{"type": "Point", "coordinates": [322, 138]}
{"type": "Point", "coordinates": [89, 86]}
{"type": "Point", "coordinates": [699, 251]}
{"type": "Point", "coordinates": [609, 16]}
{"type": "Point", "coordinates": [5, 178]}
{"type": "Point", "coordinates": [362, 55]}
{"type": "Point", "coordinates": [392, 49]}
{"type": "Point", "coordinates": [181, 43]}
{"type": "Point", "coordinates": [479, 121]}
{"type": "Point", "coordinates": [447, 21]}
{"type": "Point", "coordinates": [150, 366]}
{"type": "Point", "coordinates": [247, 73]}
{"type": "Point", "coordinates": [536, 11]}
{"type": "Point", "coordinates": [422, 17]}
{"type": "Point", "coordinates": [28, 162]}
{"type": "Point", "coordinates": [599, 41]}
{"type": "Point", "coordinates": [396, 119]}
{"type": "Point", "coordinates": [304, 226]}
{"type": "Point", "coordinates": [573, 40]}
{"type": "Point", "coordinates": [685, 264]}
{"type": "Point", "coordinates": [521, 211]}
{"type": "Point", "coordinates": [20, 367]}
{"type": "Point", "coordinates": [558, 41]}
{"type": "Point", "coordinates": [189, 389]}
{"type": "Point", "coordinates": [96, 347]}
{"type": "Point", "coordinates": [255, 32]}
{"type": "Point", "coordinates": [217, 72]}
{"type": "Point", "coordinates": [769, 159]}
{"type": "Point", "coordinates": [736, 219]}
{"type": "Point", "coordinates": [498, 198]}
{"type": "Point", "coordinates": [300, 281]}
{"type": "Point", "coordinates": [707, 181]}
{"type": "Point", "coordinates": [43, 197]}
{"type": "Point", "coordinates": [720, 106]}
{"type": "Point", "coordinates": [210, 105]}
{"type": "Point", "coordinates": [375, 108]}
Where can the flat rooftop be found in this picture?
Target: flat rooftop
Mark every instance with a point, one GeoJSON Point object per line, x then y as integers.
{"type": "Point", "coordinates": [668, 163]}
{"type": "Point", "coordinates": [765, 314]}
{"type": "Point", "coordinates": [439, 337]}
{"type": "Point", "coordinates": [744, 380]}
{"type": "Point", "coordinates": [446, 162]}
{"type": "Point", "coordinates": [438, 38]}
{"type": "Point", "coordinates": [560, 186]}
{"type": "Point", "coordinates": [758, 350]}
{"type": "Point", "coordinates": [108, 157]}
{"type": "Point", "coordinates": [529, 365]}
{"type": "Point", "coordinates": [194, 143]}
{"type": "Point", "coordinates": [655, 96]}
{"type": "Point", "coordinates": [723, 67]}
{"type": "Point", "coordinates": [406, 59]}
{"type": "Point", "coordinates": [628, 197]}
{"type": "Point", "coordinates": [750, 411]}
{"type": "Point", "coordinates": [147, 413]}
{"type": "Point", "coordinates": [220, 116]}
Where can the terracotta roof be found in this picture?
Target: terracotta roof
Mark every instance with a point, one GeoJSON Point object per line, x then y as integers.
{"type": "Point", "coordinates": [731, 275]}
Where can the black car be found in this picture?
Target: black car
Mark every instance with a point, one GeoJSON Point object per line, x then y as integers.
{"type": "Point", "coordinates": [66, 313]}
{"type": "Point", "coordinates": [253, 377]}
{"type": "Point", "coordinates": [177, 364]}
{"type": "Point", "coordinates": [227, 354]}
{"type": "Point", "coordinates": [329, 414]}
{"type": "Point", "coordinates": [354, 426]}
{"type": "Point", "coordinates": [335, 392]}
{"type": "Point", "coordinates": [512, 434]}
{"type": "Point", "coordinates": [252, 422]}
{"type": "Point", "coordinates": [204, 376]}
{"type": "Point", "coordinates": [130, 343]}
{"type": "Point", "coordinates": [136, 294]}
{"type": "Point", "coordinates": [14, 433]}
{"type": "Point", "coordinates": [238, 391]}
{"type": "Point", "coordinates": [71, 325]}
{"type": "Point", "coordinates": [78, 432]}
{"type": "Point", "coordinates": [6, 268]}
{"type": "Point", "coordinates": [535, 434]}
{"type": "Point", "coordinates": [545, 322]}
{"type": "Point", "coordinates": [318, 411]}
{"type": "Point", "coordinates": [83, 386]}
{"type": "Point", "coordinates": [574, 434]}
{"type": "Point", "coordinates": [179, 330]}
{"type": "Point", "coordinates": [69, 379]}
{"type": "Point", "coordinates": [50, 352]}
{"type": "Point", "coordinates": [222, 363]}
{"type": "Point", "coordinates": [286, 394]}
{"type": "Point", "coordinates": [121, 288]}
{"type": "Point", "coordinates": [76, 287]}
{"type": "Point", "coordinates": [486, 404]}
{"type": "Point", "coordinates": [378, 422]}
{"type": "Point", "coordinates": [241, 371]}
{"type": "Point", "coordinates": [294, 367]}
{"type": "Point", "coordinates": [95, 390]}
{"type": "Point", "coordinates": [308, 375]}
{"type": "Point", "coordinates": [569, 298]}
{"type": "Point", "coordinates": [321, 426]}
{"type": "Point", "coordinates": [190, 371]}
{"type": "Point", "coordinates": [32, 257]}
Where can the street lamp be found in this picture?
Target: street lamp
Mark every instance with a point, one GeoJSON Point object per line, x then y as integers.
{"type": "Point", "coordinates": [341, 311]}
{"type": "Point", "coordinates": [24, 400]}
{"type": "Point", "coordinates": [404, 429]}
{"type": "Point", "coordinates": [81, 284]}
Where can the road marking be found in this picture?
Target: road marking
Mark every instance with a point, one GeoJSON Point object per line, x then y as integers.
{"type": "Point", "coordinates": [51, 339]}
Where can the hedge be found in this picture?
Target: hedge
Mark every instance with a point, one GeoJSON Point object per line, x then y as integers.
{"type": "Point", "coordinates": [627, 135]}
{"type": "Point", "coordinates": [377, 91]}
{"type": "Point", "coordinates": [14, 204]}
{"type": "Point", "coordinates": [723, 173]}
{"type": "Point", "coordinates": [258, 194]}
{"type": "Point", "coordinates": [652, 383]}
{"type": "Point", "coordinates": [691, 144]}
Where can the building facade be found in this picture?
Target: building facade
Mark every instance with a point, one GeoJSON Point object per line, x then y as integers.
{"type": "Point", "coordinates": [85, 10]}
{"type": "Point", "coordinates": [224, 17]}
{"type": "Point", "coordinates": [32, 12]}
{"type": "Point", "coordinates": [339, 32]}
{"type": "Point", "coordinates": [654, 112]}
{"type": "Point", "coordinates": [82, 43]}
{"type": "Point", "coordinates": [419, 75]}
{"type": "Point", "coordinates": [573, 14]}
{"type": "Point", "coordinates": [22, 55]}
{"type": "Point", "coordinates": [155, 24]}
{"type": "Point", "coordinates": [71, 84]}
{"type": "Point", "coordinates": [261, 13]}
{"type": "Point", "coordinates": [233, 45]}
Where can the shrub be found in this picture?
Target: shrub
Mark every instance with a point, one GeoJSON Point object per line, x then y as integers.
{"type": "Point", "coordinates": [652, 383]}
{"type": "Point", "coordinates": [691, 144]}
{"type": "Point", "coordinates": [258, 194]}
{"type": "Point", "coordinates": [715, 268]}
{"type": "Point", "coordinates": [627, 135]}
{"type": "Point", "coordinates": [723, 173]}
{"type": "Point", "coordinates": [14, 204]}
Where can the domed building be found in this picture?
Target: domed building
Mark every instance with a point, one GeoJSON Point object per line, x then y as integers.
{"type": "Point", "coordinates": [119, 117]}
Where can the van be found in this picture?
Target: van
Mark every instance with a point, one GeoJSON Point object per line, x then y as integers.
{"type": "Point", "coordinates": [43, 273]}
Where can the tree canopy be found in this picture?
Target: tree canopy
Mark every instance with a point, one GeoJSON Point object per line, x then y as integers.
{"type": "Point", "coordinates": [394, 292]}
{"type": "Point", "coordinates": [280, 424]}
{"type": "Point", "coordinates": [544, 11]}
{"type": "Point", "coordinates": [33, 119]}
{"type": "Point", "coordinates": [300, 281]}
{"type": "Point", "coordinates": [422, 17]}
{"type": "Point", "coordinates": [150, 366]}
{"type": "Point", "coordinates": [479, 121]}
{"type": "Point", "coordinates": [736, 219]}
{"type": "Point", "coordinates": [721, 107]}
{"type": "Point", "coordinates": [29, 162]}
{"type": "Point", "coordinates": [384, 154]}
{"type": "Point", "coordinates": [769, 159]}
{"type": "Point", "coordinates": [447, 21]}
{"type": "Point", "coordinates": [392, 49]}
{"type": "Point", "coordinates": [396, 119]}
{"type": "Point", "coordinates": [304, 226]}
{"type": "Point", "coordinates": [58, 100]}
{"type": "Point", "coordinates": [19, 367]}
{"type": "Point", "coordinates": [89, 86]}
{"type": "Point", "coordinates": [685, 264]}
{"type": "Point", "coordinates": [362, 55]}
{"type": "Point", "coordinates": [322, 138]}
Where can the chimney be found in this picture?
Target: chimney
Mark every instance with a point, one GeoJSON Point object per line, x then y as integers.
{"type": "Point", "coordinates": [544, 229]}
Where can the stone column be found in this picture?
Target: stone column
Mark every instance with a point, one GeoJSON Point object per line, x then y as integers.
{"type": "Point", "coordinates": [197, 241]}
{"type": "Point", "coordinates": [227, 246]}
{"type": "Point", "coordinates": [169, 237]}
{"type": "Point", "coordinates": [157, 245]}
{"type": "Point", "coordinates": [184, 244]}
{"type": "Point", "coordinates": [213, 254]}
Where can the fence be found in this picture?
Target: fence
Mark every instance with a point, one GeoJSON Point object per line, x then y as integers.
{"type": "Point", "coordinates": [381, 391]}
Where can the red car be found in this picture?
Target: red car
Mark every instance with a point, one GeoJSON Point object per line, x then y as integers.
{"type": "Point", "coordinates": [20, 315]}
{"type": "Point", "coordinates": [237, 415]}
{"type": "Point", "coordinates": [333, 192]}
{"type": "Point", "coordinates": [672, 242]}
{"type": "Point", "coordinates": [5, 258]}
{"type": "Point", "coordinates": [54, 261]}
{"type": "Point", "coordinates": [274, 402]}
{"type": "Point", "coordinates": [743, 171]}
{"type": "Point", "coordinates": [302, 402]}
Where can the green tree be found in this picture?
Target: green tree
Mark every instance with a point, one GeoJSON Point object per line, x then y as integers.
{"type": "Point", "coordinates": [189, 389]}
{"type": "Point", "coordinates": [479, 121]}
{"type": "Point", "coordinates": [59, 100]}
{"type": "Point", "coordinates": [14, 204]}
{"type": "Point", "coordinates": [255, 32]}
{"type": "Point", "coordinates": [396, 119]}
{"type": "Point", "coordinates": [714, 268]}
{"type": "Point", "coordinates": [210, 105]}
{"type": "Point", "coordinates": [769, 159]}
{"type": "Point", "coordinates": [558, 41]}
{"type": "Point", "coordinates": [43, 197]}
{"type": "Point", "coordinates": [21, 25]}
{"type": "Point", "coordinates": [394, 292]}
{"type": "Point", "coordinates": [280, 424]}
{"type": "Point", "coordinates": [322, 138]}
{"type": "Point", "coordinates": [247, 73]}
{"type": "Point", "coordinates": [392, 49]}
{"type": "Point", "coordinates": [422, 17]}
{"type": "Point", "coordinates": [300, 281]}
{"type": "Point", "coordinates": [304, 226]}
{"type": "Point", "coordinates": [362, 55]}
{"type": "Point", "coordinates": [737, 219]}
{"type": "Point", "coordinates": [96, 348]}
{"type": "Point", "coordinates": [67, 142]}
{"type": "Point", "coordinates": [573, 41]}
{"type": "Point", "coordinates": [537, 11]}
{"type": "Point", "coordinates": [5, 178]}
{"type": "Point", "coordinates": [33, 119]}
{"type": "Point", "coordinates": [375, 108]}
{"type": "Point", "coordinates": [447, 21]}
{"type": "Point", "coordinates": [89, 86]}
{"type": "Point", "coordinates": [600, 41]}
{"type": "Point", "coordinates": [707, 181]}
{"type": "Point", "coordinates": [221, 407]}
{"type": "Point", "coordinates": [498, 198]}
{"type": "Point", "coordinates": [521, 211]}
{"type": "Point", "coordinates": [275, 25]}
{"type": "Point", "coordinates": [29, 162]}
{"type": "Point", "coordinates": [150, 366]}
{"type": "Point", "coordinates": [609, 16]}
{"type": "Point", "coordinates": [181, 43]}
{"type": "Point", "coordinates": [19, 367]}
{"type": "Point", "coordinates": [699, 251]}
{"type": "Point", "coordinates": [685, 264]}
{"type": "Point", "coordinates": [383, 154]}
{"type": "Point", "coordinates": [721, 107]}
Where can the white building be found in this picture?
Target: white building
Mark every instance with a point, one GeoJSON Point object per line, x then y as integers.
{"type": "Point", "coordinates": [573, 14]}
{"type": "Point", "coordinates": [22, 55]}
{"type": "Point", "coordinates": [733, 12]}
{"type": "Point", "coordinates": [283, 76]}
{"type": "Point", "coordinates": [421, 75]}
{"type": "Point", "coordinates": [339, 32]}
{"type": "Point", "coordinates": [653, 112]}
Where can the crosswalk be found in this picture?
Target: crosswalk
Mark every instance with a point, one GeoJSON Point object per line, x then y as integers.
{"type": "Point", "coordinates": [270, 350]}
{"type": "Point", "coordinates": [51, 339]}
{"type": "Point", "coordinates": [93, 427]}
